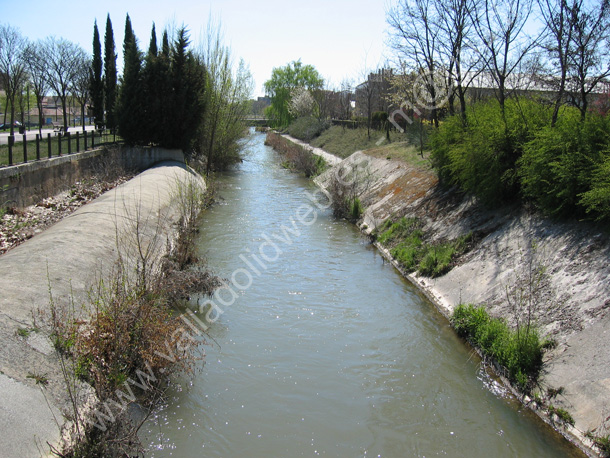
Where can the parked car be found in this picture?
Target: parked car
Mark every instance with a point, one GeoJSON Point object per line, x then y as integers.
{"type": "Point", "coordinates": [7, 126]}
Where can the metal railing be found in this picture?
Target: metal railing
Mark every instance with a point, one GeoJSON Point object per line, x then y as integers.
{"type": "Point", "coordinates": [49, 146]}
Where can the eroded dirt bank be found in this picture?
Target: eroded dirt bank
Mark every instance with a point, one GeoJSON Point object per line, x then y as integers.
{"type": "Point", "coordinates": [573, 303]}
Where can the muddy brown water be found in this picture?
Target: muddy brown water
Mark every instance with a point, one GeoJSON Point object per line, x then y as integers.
{"type": "Point", "coordinates": [325, 349]}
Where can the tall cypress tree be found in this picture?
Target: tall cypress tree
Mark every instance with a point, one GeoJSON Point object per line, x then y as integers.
{"type": "Point", "coordinates": [152, 47]}
{"type": "Point", "coordinates": [152, 90]}
{"type": "Point", "coordinates": [131, 110]}
{"type": "Point", "coordinates": [165, 96]}
{"type": "Point", "coordinates": [110, 75]}
{"type": "Point", "coordinates": [188, 85]}
{"type": "Point", "coordinates": [97, 84]}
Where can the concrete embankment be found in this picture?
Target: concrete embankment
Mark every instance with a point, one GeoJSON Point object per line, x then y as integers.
{"type": "Point", "coordinates": [573, 306]}
{"type": "Point", "coordinates": [64, 262]}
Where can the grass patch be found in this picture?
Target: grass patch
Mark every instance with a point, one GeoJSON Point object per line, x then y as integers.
{"type": "Point", "coordinates": [402, 151]}
{"type": "Point", "coordinates": [518, 351]}
{"type": "Point", "coordinates": [26, 332]}
{"type": "Point", "coordinates": [343, 142]}
{"type": "Point", "coordinates": [40, 379]}
{"type": "Point", "coordinates": [405, 239]}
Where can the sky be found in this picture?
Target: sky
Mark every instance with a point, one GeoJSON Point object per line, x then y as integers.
{"type": "Point", "coordinates": [340, 38]}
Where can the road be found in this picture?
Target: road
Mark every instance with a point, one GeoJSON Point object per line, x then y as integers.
{"type": "Point", "coordinates": [31, 135]}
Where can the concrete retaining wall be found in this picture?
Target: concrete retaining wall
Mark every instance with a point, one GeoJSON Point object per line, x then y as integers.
{"type": "Point", "coordinates": [25, 184]}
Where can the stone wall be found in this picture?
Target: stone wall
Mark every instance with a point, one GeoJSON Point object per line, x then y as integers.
{"type": "Point", "coordinates": [25, 184]}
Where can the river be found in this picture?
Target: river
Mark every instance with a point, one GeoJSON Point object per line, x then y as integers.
{"type": "Point", "coordinates": [326, 349]}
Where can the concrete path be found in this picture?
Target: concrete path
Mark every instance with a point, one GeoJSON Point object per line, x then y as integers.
{"type": "Point", "coordinates": [67, 259]}
{"type": "Point", "coordinates": [330, 159]}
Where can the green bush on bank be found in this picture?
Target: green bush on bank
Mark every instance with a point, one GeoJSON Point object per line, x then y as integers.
{"type": "Point", "coordinates": [519, 351]}
{"type": "Point", "coordinates": [559, 164]}
{"type": "Point", "coordinates": [563, 170]}
{"type": "Point", "coordinates": [307, 128]}
{"type": "Point", "coordinates": [481, 157]}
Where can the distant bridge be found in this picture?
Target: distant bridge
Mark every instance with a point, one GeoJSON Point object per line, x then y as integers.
{"type": "Point", "coordinates": [257, 121]}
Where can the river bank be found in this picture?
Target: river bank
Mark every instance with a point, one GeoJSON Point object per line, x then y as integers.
{"type": "Point", "coordinates": [56, 272]}
{"type": "Point", "coordinates": [575, 302]}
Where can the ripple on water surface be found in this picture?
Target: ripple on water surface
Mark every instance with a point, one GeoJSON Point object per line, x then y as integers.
{"type": "Point", "coordinates": [329, 351]}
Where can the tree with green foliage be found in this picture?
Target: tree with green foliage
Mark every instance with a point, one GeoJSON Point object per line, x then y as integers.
{"type": "Point", "coordinates": [110, 76]}
{"type": "Point", "coordinates": [130, 109]}
{"type": "Point", "coordinates": [97, 83]}
{"type": "Point", "coordinates": [151, 89]}
{"type": "Point", "coordinates": [187, 82]}
{"type": "Point", "coordinates": [281, 86]}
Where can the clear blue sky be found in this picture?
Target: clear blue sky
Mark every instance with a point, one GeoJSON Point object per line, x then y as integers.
{"type": "Point", "coordinates": [339, 37]}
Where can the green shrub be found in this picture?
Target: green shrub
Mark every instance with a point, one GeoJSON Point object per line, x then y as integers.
{"type": "Point", "coordinates": [596, 201]}
{"type": "Point", "coordinates": [468, 319]}
{"type": "Point", "coordinates": [518, 351]}
{"type": "Point", "coordinates": [481, 157]}
{"type": "Point", "coordinates": [307, 128]}
{"type": "Point", "coordinates": [558, 165]}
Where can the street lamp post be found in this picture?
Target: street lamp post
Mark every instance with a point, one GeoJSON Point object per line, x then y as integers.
{"type": "Point", "coordinates": [28, 91]}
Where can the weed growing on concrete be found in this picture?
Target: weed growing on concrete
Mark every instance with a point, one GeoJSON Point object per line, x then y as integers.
{"type": "Point", "coordinates": [40, 379]}
{"type": "Point", "coordinates": [405, 239]}
{"type": "Point", "coordinates": [600, 438]}
{"type": "Point", "coordinates": [602, 443]}
{"type": "Point", "coordinates": [128, 339]}
{"type": "Point", "coordinates": [519, 354]}
{"type": "Point", "coordinates": [347, 183]}
{"type": "Point", "coordinates": [561, 414]}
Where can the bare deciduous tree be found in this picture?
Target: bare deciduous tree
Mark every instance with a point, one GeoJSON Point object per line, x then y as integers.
{"type": "Point", "coordinates": [458, 48]}
{"type": "Point", "coordinates": [13, 68]}
{"type": "Point", "coordinates": [500, 27]}
{"type": "Point", "coordinates": [415, 36]}
{"type": "Point", "coordinates": [64, 61]}
{"type": "Point", "coordinates": [38, 76]}
{"type": "Point", "coordinates": [557, 42]}
{"type": "Point", "coordinates": [589, 57]}
{"type": "Point", "coordinates": [81, 86]}
{"type": "Point", "coordinates": [345, 99]}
